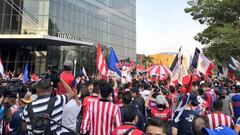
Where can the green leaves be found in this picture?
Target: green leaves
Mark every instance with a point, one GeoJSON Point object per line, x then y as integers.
{"type": "Point", "coordinates": [221, 37]}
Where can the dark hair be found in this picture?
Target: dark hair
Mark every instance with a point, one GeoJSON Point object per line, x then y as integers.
{"type": "Point", "coordinates": [198, 123]}
{"type": "Point", "coordinates": [200, 91]}
{"type": "Point", "coordinates": [44, 84]}
{"type": "Point", "coordinates": [157, 122]}
{"type": "Point", "coordinates": [218, 105]}
{"type": "Point", "coordinates": [96, 89]}
{"type": "Point", "coordinates": [135, 90]}
{"type": "Point", "coordinates": [89, 83]}
{"type": "Point", "coordinates": [105, 89]}
{"type": "Point", "coordinates": [84, 92]}
{"type": "Point", "coordinates": [67, 68]}
{"type": "Point", "coordinates": [127, 97]}
{"type": "Point", "coordinates": [129, 113]}
{"type": "Point", "coordinates": [172, 89]}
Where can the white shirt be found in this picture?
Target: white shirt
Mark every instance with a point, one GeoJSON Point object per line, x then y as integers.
{"type": "Point", "coordinates": [70, 113]}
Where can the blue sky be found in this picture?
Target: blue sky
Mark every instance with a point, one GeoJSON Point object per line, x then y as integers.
{"type": "Point", "coordinates": [163, 26]}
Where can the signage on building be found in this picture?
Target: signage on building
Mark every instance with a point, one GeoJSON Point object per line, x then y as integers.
{"type": "Point", "coordinates": [68, 36]}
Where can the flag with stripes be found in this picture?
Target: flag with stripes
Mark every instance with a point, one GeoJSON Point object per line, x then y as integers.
{"type": "Point", "coordinates": [101, 63]}
{"type": "Point", "coordinates": [234, 65]}
{"type": "Point", "coordinates": [177, 114]}
{"type": "Point", "coordinates": [202, 63]}
{"type": "Point", "coordinates": [178, 69]}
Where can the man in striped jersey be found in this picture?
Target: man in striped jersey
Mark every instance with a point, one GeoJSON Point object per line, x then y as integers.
{"type": "Point", "coordinates": [218, 118]}
{"type": "Point", "coordinates": [40, 105]}
{"type": "Point", "coordinates": [101, 116]}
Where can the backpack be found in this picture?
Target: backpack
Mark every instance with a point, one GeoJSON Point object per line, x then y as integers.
{"type": "Point", "coordinates": [40, 121]}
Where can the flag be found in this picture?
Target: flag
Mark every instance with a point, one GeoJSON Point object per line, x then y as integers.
{"type": "Point", "coordinates": [234, 65]}
{"type": "Point", "coordinates": [84, 72]}
{"type": "Point", "coordinates": [175, 59]}
{"type": "Point", "coordinates": [112, 62]}
{"type": "Point", "coordinates": [220, 71]}
{"type": "Point", "coordinates": [202, 63]}
{"type": "Point", "coordinates": [1, 67]}
{"type": "Point", "coordinates": [181, 107]}
{"type": "Point", "coordinates": [178, 69]}
{"type": "Point", "coordinates": [25, 75]}
{"type": "Point", "coordinates": [101, 63]}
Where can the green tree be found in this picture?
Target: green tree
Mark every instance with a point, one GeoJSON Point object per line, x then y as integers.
{"type": "Point", "coordinates": [221, 37]}
{"type": "Point", "coordinates": [147, 60]}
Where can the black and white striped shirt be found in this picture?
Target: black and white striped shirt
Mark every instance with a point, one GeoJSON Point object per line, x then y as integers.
{"type": "Point", "coordinates": [40, 105]}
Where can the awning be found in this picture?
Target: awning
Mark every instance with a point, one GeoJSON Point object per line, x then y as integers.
{"type": "Point", "coordinates": [38, 40]}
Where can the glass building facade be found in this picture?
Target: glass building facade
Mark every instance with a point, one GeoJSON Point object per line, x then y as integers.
{"type": "Point", "coordinates": [112, 23]}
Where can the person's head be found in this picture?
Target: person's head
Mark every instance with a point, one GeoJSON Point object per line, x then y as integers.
{"type": "Point", "coordinates": [218, 105]}
{"type": "Point", "coordinates": [135, 92]}
{"type": "Point", "coordinates": [84, 92]}
{"type": "Point", "coordinates": [105, 89]}
{"type": "Point", "coordinates": [193, 102]}
{"type": "Point", "coordinates": [44, 87]}
{"type": "Point", "coordinates": [155, 126]}
{"type": "Point", "coordinates": [161, 101]}
{"type": "Point", "coordinates": [198, 123]}
{"type": "Point", "coordinates": [90, 86]}
{"type": "Point", "coordinates": [130, 114]}
{"type": "Point", "coordinates": [127, 97]}
{"type": "Point", "coordinates": [200, 91]}
{"type": "Point", "coordinates": [96, 91]}
{"type": "Point", "coordinates": [67, 66]}
{"type": "Point", "coordinates": [172, 89]}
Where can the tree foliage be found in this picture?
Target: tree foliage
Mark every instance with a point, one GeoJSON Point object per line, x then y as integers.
{"type": "Point", "coordinates": [221, 37]}
{"type": "Point", "coordinates": [147, 60]}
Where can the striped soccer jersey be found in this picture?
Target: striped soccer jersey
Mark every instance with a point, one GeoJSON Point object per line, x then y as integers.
{"type": "Point", "coordinates": [219, 119]}
{"type": "Point", "coordinates": [101, 118]}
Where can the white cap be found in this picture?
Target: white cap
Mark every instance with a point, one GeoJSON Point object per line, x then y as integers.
{"type": "Point", "coordinates": [68, 63]}
{"type": "Point", "coordinates": [161, 100]}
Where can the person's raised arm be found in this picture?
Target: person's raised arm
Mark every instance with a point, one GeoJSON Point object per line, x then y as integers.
{"type": "Point", "coordinates": [149, 98]}
{"type": "Point", "coordinates": [69, 91]}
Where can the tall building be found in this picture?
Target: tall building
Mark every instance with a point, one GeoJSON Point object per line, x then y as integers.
{"type": "Point", "coordinates": [44, 32]}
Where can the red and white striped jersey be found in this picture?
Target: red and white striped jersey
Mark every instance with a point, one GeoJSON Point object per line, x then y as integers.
{"type": "Point", "coordinates": [219, 119]}
{"type": "Point", "coordinates": [101, 118]}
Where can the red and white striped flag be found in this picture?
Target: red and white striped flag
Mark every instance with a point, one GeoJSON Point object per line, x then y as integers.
{"type": "Point", "coordinates": [101, 63]}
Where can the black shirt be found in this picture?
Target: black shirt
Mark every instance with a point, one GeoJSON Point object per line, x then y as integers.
{"type": "Point", "coordinates": [184, 126]}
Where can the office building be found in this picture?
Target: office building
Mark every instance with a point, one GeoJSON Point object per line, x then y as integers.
{"type": "Point", "coordinates": [44, 32]}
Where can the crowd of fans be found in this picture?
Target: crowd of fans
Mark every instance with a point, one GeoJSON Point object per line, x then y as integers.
{"type": "Point", "coordinates": [141, 106]}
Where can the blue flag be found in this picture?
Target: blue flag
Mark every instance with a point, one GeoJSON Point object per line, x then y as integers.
{"type": "Point", "coordinates": [25, 75]}
{"type": "Point", "coordinates": [112, 62]}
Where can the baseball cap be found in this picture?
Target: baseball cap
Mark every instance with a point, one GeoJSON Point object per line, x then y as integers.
{"type": "Point", "coordinates": [26, 101]}
{"type": "Point", "coordinates": [161, 100]}
{"type": "Point", "coordinates": [193, 98]}
{"type": "Point", "coordinates": [223, 130]}
{"type": "Point", "coordinates": [68, 63]}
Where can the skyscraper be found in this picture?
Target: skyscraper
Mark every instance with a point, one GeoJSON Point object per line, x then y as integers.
{"type": "Point", "coordinates": [44, 32]}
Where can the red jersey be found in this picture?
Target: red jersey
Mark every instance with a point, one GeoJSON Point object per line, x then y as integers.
{"type": "Point", "coordinates": [86, 102]}
{"type": "Point", "coordinates": [68, 78]}
{"type": "Point", "coordinates": [219, 119]}
{"type": "Point", "coordinates": [164, 115]}
{"type": "Point", "coordinates": [101, 118]}
{"type": "Point", "coordinates": [89, 99]}
{"type": "Point", "coordinates": [124, 128]}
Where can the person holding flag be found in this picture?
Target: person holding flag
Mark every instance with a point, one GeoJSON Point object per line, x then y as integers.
{"type": "Point", "coordinates": [182, 120]}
